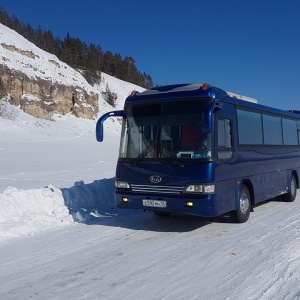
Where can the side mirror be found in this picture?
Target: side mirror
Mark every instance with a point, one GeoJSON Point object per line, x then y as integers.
{"type": "Point", "coordinates": [100, 122]}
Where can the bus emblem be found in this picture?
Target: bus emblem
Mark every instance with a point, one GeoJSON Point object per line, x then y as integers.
{"type": "Point", "coordinates": [155, 179]}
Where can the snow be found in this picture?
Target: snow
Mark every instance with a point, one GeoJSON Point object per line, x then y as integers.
{"type": "Point", "coordinates": [61, 236]}
{"type": "Point", "coordinates": [23, 211]}
{"type": "Point", "coordinates": [19, 54]}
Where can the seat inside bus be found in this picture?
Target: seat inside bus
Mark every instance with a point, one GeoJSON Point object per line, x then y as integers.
{"type": "Point", "coordinates": [192, 137]}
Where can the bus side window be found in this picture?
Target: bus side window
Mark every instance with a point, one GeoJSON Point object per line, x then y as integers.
{"type": "Point", "coordinates": [224, 148]}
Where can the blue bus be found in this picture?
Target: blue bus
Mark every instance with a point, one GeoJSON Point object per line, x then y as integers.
{"type": "Point", "coordinates": [199, 150]}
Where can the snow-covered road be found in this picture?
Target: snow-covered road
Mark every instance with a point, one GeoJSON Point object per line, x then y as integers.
{"type": "Point", "coordinates": [134, 255]}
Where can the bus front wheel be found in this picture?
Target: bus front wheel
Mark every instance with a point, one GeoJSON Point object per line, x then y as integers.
{"type": "Point", "coordinates": [241, 214]}
{"type": "Point", "coordinates": [290, 196]}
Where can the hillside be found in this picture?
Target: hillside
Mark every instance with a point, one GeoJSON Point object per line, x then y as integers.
{"type": "Point", "coordinates": [42, 85]}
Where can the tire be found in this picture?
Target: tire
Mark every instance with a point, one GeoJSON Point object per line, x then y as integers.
{"type": "Point", "coordinates": [290, 196]}
{"type": "Point", "coordinates": [242, 213]}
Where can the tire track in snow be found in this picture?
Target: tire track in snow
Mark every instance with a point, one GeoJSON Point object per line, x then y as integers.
{"type": "Point", "coordinates": [269, 255]}
{"type": "Point", "coordinates": [137, 256]}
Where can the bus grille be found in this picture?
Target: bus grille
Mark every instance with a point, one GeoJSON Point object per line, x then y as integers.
{"type": "Point", "coordinates": [156, 189]}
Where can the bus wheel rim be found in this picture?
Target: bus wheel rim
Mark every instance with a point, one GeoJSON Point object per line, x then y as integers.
{"type": "Point", "coordinates": [244, 203]}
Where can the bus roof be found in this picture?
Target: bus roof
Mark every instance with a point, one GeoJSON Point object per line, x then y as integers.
{"type": "Point", "coordinates": [196, 90]}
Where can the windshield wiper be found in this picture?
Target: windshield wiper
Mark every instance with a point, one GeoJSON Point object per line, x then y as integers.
{"type": "Point", "coordinates": [171, 155]}
{"type": "Point", "coordinates": [151, 147]}
{"type": "Point", "coordinates": [144, 153]}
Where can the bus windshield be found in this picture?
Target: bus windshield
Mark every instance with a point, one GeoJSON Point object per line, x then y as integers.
{"type": "Point", "coordinates": [165, 131]}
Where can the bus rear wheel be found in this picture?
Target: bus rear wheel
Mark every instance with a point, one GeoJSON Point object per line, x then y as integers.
{"type": "Point", "coordinates": [290, 196]}
{"type": "Point", "coordinates": [242, 213]}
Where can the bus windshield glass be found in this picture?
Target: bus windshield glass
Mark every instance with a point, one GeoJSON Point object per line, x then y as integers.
{"type": "Point", "coordinates": [165, 131]}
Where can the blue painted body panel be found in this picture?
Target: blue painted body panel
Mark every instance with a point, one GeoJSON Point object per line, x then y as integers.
{"type": "Point", "coordinates": [203, 205]}
{"type": "Point", "coordinates": [269, 179]}
{"type": "Point", "coordinates": [172, 175]}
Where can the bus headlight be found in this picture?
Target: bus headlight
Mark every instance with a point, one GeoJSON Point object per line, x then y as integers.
{"type": "Point", "coordinates": [208, 188]}
{"type": "Point", "coordinates": [194, 188]}
{"type": "Point", "coordinates": [121, 184]}
{"type": "Point", "coordinates": [200, 189]}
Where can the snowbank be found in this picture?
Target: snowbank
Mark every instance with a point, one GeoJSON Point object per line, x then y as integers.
{"type": "Point", "coordinates": [25, 212]}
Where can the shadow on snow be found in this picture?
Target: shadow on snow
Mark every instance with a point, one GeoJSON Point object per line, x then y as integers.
{"type": "Point", "coordinates": [93, 204]}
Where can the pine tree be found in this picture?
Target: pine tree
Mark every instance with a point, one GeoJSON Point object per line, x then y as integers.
{"type": "Point", "coordinates": [109, 96]}
{"type": "Point", "coordinates": [4, 17]}
{"type": "Point", "coordinates": [89, 59]}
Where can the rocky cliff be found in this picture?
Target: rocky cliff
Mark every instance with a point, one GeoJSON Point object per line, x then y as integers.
{"type": "Point", "coordinates": [41, 84]}
{"type": "Point", "coordinates": [41, 98]}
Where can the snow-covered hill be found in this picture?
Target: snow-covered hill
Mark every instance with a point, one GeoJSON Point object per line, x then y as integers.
{"type": "Point", "coordinates": [50, 80]}
{"type": "Point", "coordinates": [19, 54]}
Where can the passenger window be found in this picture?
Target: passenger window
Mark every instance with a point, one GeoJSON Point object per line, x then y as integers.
{"type": "Point", "coordinates": [224, 148]}
{"type": "Point", "coordinates": [272, 130]}
{"type": "Point", "coordinates": [250, 128]}
{"type": "Point", "coordinates": [289, 132]}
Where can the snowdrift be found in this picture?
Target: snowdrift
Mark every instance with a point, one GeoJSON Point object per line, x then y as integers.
{"type": "Point", "coordinates": [26, 212]}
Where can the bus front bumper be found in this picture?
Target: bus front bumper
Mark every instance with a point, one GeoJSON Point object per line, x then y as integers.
{"type": "Point", "coordinates": [202, 205]}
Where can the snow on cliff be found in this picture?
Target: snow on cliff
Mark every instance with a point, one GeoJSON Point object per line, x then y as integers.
{"type": "Point", "coordinates": [19, 54]}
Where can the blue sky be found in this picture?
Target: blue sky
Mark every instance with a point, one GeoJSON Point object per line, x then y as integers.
{"type": "Point", "coordinates": [250, 47]}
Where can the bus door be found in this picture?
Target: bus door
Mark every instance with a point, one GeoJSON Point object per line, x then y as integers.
{"type": "Point", "coordinates": [224, 166]}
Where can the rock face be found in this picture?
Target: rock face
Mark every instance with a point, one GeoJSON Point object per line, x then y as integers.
{"type": "Point", "coordinates": [39, 82]}
{"type": "Point", "coordinates": [41, 98]}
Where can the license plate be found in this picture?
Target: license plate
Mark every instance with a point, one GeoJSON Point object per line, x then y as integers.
{"type": "Point", "coordinates": [154, 203]}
